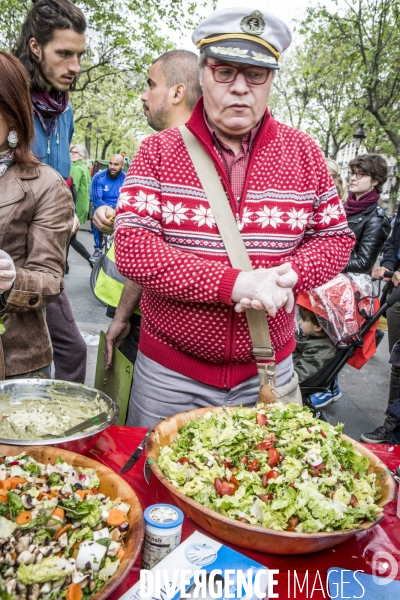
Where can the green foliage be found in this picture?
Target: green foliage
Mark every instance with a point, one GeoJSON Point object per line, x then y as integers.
{"type": "Point", "coordinates": [345, 71]}
{"type": "Point", "coordinates": [109, 118]}
{"type": "Point", "coordinates": [123, 39]}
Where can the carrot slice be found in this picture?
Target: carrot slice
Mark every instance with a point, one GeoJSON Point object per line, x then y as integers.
{"type": "Point", "coordinates": [62, 530]}
{"type": "Point", "coordinates": [58, 513]}
{"type": "Point", "coordinates": [120, 553]}
{"type": "Point", "coordinates": [42, 495]}
{"type": "Point", "coordinates": [116, 517]}
{"type": "Point", "coordinates": [82, 493]}
{"type": "Point", "coordinates": [14, 481]}
{"type": "Point", "coordinates": [5, 485]}
{"type": "Point", "coordinates": [24, 517]}
{"type": "Point", "coordinates": [74, 592]}
{"type": "Point", "coordinates": [3, 498]}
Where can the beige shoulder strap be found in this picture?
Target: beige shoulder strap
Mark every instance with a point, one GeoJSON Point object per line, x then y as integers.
{"type": "Point", "coordinates": [234, 245]}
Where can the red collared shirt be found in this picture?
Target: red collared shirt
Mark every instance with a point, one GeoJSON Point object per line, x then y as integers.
{"type": "Point", "coordinates": [235, 165]}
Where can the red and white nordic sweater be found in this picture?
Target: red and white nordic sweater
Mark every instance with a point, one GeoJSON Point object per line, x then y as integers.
{"type": "Point", "coordinates": [166, 240]}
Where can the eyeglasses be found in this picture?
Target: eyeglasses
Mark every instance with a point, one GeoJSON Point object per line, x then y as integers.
{"type": "Point", "coordinates": [228, 74]}
{"type": "Point", "coordinates": [73, 152]}
{"type": "Point", "coordinates": [357, 174]}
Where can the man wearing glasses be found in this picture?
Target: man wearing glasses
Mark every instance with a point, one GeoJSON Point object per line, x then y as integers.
{"type": "Point", "coordinates": [195, 348]}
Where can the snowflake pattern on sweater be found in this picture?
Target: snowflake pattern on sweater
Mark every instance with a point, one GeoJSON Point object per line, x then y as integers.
{"type": "Point", "coordinates": [167, 241]}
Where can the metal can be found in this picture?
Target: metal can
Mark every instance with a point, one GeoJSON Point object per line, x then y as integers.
{"type": "Point", "coordinates": [163, 530]}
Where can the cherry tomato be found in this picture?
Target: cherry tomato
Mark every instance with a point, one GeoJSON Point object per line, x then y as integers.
{"type": "Point", "coordinates": [263, 446]}
{"type": "Point", "coordinates": [217, 485]}
{"type": "Point", "coordinates": [353, 501]}
{"type": "Point", "coordinates": [322, 433]}
{"type": "Point", "coordinates": [272, 474]}
{"type": "Point", "coordinates": [183, 460]}
{"type": "Point", "coordinates": [244, 460]}
{"type": "Point", "coordinates": [228, 463]}
{"type": "Point", "coordinates": [264, 480]}
{"type": "Point", "coordinates": [224, 487]}
{"type": "Point", "coordinates": [254, 465]}
{"type": "Point", "coordinates": [234, 480]}
{"type": "Point", "coordinates": [227, 488]}
{"type": "Point", "coordinates": [261, 419]}
{"type": "Point", "coordinates": [293, 522]}
{"type": "Point", "coordinates": [266, 497]}
{"type": "Point", "coordinates": [274, 457]}
{"type": "Point", "coordinates": [234, 470]}
{"type": "Point", "coordinates": [290, 529]}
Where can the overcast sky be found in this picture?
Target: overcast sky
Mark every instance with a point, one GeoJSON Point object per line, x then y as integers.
{"type": "Point", "coordinates": [287, 10]}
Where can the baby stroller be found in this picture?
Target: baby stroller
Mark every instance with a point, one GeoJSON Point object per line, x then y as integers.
{"type": "Point", "coordinates": [348, 311]}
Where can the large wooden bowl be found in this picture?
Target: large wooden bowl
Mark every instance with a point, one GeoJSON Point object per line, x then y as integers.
{"type": "Point", "coordinates": [111, 485]}
{"type": "Point", "coordinates": [251, 536]}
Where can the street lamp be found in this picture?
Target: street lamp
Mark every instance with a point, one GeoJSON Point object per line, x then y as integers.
{"type": "Point", "coordinates": [98, 130]}
{"type": "Point", "coordinates": [359, 136]}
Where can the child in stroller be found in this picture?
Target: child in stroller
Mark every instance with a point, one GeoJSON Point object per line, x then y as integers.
{"type": "Point", "coordinates": [314, 348]}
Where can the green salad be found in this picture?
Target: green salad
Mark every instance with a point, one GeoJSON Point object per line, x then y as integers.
{"type": "Point", "coordinates": [275, 466]}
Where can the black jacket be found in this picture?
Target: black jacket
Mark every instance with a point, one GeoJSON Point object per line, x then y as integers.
{"type": "Point", "coordinates": [390, 258]}
{"type": "Point", "coordinates": [371, 228]}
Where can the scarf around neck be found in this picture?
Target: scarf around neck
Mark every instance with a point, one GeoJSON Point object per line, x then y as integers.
{"type": "Point", "coordinates": [353, 206]}
{"type": "Point", "coordinates": [49, 106]}
{"type": "Point", "coordinates": [6, 159]}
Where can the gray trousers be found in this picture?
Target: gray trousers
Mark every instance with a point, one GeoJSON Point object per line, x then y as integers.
{"type": "Point", "coordinates": [158, 392]}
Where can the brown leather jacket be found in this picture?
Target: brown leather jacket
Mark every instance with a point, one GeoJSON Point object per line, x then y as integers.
{"type": "Point", "coordinates": [36, 216]}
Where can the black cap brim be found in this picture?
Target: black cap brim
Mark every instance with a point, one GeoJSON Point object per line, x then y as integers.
{"type": "Point", "coordinates": [242, 51]}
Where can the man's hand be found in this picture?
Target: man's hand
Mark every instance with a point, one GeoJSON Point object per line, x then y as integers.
{"type": "Point", "coordinates": [379, 272]}
{"type": "Point", "coordinates": [265, 289]}
{"type": "Point", "coordinates": [7, 272]}
{"type": "Point", "coordinates": [117, 331]}
{"type": "Point", "coordinates": [103, 219]}
{"type": "Point", "coordinates": [76, 225]}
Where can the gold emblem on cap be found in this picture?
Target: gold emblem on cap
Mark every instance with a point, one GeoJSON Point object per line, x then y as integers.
{"type": "Point", "coordinates": [253, 24]}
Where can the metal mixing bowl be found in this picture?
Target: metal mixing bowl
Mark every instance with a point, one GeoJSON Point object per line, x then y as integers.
{"type": "Point", "coordinates": [17, 391]}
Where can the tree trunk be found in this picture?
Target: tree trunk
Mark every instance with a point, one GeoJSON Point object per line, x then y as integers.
{"type": "Point", "coordinates": [106, 145]}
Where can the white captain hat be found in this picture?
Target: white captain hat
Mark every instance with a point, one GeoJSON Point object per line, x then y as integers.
{"type": "Point", "coordinates": [243, 35]}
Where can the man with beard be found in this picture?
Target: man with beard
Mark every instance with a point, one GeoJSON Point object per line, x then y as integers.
{"type": "Point", "coordinates": [50, 47]}
{"type": "Point", "coordinates": [173, 88]}
{"type": "Point", "coordinates": [104, 191]}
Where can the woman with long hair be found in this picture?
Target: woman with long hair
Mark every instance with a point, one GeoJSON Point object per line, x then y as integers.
{"type": "Point", "coordinates": [80, 174]}
{"type": "Point", "coordinates": [36, 216]}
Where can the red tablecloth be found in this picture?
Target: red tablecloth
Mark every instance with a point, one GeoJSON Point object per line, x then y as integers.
{"type": "Point", "coordinates": [117, 443]}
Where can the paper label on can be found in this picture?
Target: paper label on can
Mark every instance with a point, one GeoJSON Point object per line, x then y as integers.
{"type": "Point", "coordinates": [156, 547]}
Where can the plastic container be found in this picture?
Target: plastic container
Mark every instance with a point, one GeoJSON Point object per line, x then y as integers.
{"type": "Point", "coordinates": [163, 530]}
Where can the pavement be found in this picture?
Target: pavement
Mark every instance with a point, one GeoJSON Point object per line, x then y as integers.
{"type": "Point", "coordinates": [361, 407]}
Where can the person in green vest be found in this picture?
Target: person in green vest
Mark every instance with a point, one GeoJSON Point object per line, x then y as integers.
{"type": "Point", "coordinates": [173, 90]}
{"type": "Point", "coordinates": [80, 174]}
